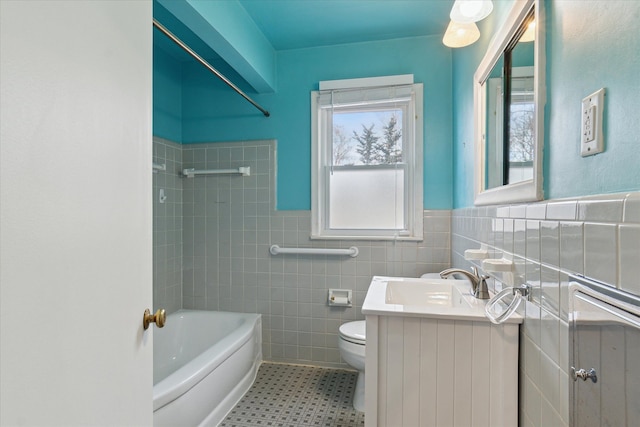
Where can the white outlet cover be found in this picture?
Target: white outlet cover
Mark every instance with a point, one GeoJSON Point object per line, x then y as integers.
{"type": "Point", "coordinates": [591, 135]}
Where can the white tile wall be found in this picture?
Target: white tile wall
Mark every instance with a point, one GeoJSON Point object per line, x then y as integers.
{"type": "Point", "coordinates": [228, 225]}
{"type": "Point", "coordinates": [600, 251]}
{"type": "Point", "coordinates": [167, 227]}
{"type": "Point", "coordinates": [595, 236]}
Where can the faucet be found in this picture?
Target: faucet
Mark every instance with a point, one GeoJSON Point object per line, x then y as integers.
{"type": "Point", "coordinates": [478, 282]}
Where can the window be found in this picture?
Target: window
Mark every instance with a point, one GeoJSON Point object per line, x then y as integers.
{"type": "Point", "coordinates": [367, 159]}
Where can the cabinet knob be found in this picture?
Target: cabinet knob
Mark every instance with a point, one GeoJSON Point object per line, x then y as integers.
{"type": "Point", "coordinates": [584, 375]}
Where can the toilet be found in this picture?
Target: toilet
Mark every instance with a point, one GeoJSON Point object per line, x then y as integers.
{"type": "Point", "coordinates": [351, 343]}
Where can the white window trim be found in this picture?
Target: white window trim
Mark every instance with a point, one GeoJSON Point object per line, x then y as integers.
{"type": "Point", "coordinates": [318, 208]}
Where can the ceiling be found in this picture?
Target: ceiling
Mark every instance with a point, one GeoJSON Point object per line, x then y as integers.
{"type": "Point", "coordinates": [293, 24]}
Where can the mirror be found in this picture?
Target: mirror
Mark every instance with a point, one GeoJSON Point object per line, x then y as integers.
{"type": "Point", "coordinates": [509, 111]}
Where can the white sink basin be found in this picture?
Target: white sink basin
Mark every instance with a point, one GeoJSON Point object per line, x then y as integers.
{"type": "Point", "coordinates": [424, 297]}
{"type": "Point", "coordinates": [424, 292]}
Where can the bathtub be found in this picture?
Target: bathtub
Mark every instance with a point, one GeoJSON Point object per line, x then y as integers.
{"type": "Point", "coordinates": [203, 363]}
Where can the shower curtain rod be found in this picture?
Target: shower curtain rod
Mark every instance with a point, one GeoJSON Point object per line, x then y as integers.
{"type": "Point", "coordinates": [206, 64]}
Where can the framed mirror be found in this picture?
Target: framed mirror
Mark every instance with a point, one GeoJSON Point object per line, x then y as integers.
{"type": "Point", "coordinates": [509, 98]}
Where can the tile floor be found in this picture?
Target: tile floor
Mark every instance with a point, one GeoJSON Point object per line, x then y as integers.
{"type": "Point", "coordinates": [297, 396]}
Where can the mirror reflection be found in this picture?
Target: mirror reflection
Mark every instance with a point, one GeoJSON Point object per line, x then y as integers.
{"type": "Point", "coordinates": [510, 122]}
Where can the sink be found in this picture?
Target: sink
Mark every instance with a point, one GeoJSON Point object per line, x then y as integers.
{"type": "Point", "coordinates": [424, 297]}
{"type": "Point", "coordinates": [430, 292]}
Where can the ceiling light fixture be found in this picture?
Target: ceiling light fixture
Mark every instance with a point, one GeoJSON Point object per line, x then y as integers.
{"type": "Point", "coordinates": [467, 11]}
{"type": "Point", "coordinates": [460, 34]}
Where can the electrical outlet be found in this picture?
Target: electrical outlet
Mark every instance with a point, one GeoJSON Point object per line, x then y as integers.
{"type": "Point", "coordinates": [592, 139]}
{"type": "Point", "coordinates": [589, 125]}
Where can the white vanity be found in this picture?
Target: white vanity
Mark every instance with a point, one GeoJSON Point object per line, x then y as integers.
{"type": "Point", "coordinates": [434, 359]}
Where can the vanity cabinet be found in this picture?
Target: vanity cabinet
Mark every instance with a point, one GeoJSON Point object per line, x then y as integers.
{"type": "Point", "coordinates": [437, 360]}
{"type": "Point", "coordinates": [439, 372]}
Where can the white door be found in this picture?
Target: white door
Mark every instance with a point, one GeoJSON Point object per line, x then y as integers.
{"type": "Point", "coordinates": [75, 210]}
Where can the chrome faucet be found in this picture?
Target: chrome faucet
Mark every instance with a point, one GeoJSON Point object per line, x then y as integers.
{"type": "Point", "coordinates": [478, 282]}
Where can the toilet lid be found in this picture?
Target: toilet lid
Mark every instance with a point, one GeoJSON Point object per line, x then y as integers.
{"type": "Point", "coordinates": [354, 331]}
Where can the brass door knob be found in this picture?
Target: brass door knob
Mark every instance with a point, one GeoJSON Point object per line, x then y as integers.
{"type": "Point", "coordinates": [159, 318]}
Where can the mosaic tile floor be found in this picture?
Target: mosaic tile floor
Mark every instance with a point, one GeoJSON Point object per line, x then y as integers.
{"type": "Point", "coordinates": [297, 396]}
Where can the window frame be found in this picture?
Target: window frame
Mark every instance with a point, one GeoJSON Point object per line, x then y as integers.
{"type": "Point", "coordinates": [321, 158]}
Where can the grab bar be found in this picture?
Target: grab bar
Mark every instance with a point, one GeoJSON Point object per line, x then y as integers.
{"type": "Point", "coordinates": [191, 173]}
{"type": "Point", "coordinates": [276, 250]}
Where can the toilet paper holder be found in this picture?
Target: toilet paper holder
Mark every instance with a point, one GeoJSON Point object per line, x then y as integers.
{"type": "Point", "coordinates": [340, 297]}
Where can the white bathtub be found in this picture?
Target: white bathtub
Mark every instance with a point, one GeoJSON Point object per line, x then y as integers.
{"type": "Point", "coordinates": [203, 363]}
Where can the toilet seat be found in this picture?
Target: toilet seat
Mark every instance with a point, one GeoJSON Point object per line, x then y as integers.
{"type": "Point", "coordinates": [354, 332]}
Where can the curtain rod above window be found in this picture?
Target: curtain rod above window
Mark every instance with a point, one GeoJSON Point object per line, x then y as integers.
{"type": "Point", "coordinates": [208, 66]}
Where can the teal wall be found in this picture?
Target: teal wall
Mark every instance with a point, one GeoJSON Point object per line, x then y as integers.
{"type": "Point", "coordinates": [593, 44]}
{"type": "Point", "coordinates": [590, 44]}
{"type": "Point", "coordinates": [211, 112]}
{"type": "Point", "coordinates": [167, 96]}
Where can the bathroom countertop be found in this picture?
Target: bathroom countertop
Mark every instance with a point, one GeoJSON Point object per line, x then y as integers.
{"type": "Point", "coordinates": [471, 308]}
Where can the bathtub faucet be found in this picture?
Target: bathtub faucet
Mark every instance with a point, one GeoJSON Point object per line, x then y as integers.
{"type": "Point", "coordinates": [478, 282]}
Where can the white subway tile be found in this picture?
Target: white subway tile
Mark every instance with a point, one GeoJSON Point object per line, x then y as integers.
{"type": "Point", "coordinates": [518, 211]}
{"type": "Point", "coordinates": [631, 211]}
{"type": "Point", "coordinates": [503, 212]}
{"type": "Point", "coordinates": [605, 209]}
{"type": "Point", "coordinates": [549, 339]}
{"type": "Point", "coordinates": [508, 235]}
{"type": "Point", "coordinates": [549, 376]}
{"type": "Point", "coordinates": [519, 237]}
{"type": "Point", "coordinates": [532, 278]}
{"type": "Point", "coordinates": [536, 211]}
{"type": "Point", "coordinates": [549, 415]}
{"type": "Point", "coordinates": [572, 247]}
{"type": "Point", "coordinates": [532, 401]}
{"type": "Point", "coordinates": [549, 243]}
{"type": "Point", "coordinates": [562, 210]}
{"type": "Point", "coordinates": [531, 325]}
{"type": "Point", "coordinates": [533, 240]}
{"type": "Point", "coordinates": [564, 295]}
{"type": "Point", "coordinates": [519, 273]}
{"type": "Point", "coordinates": [550, 287]}
{"type": "Point", "coordinates": [498, 233]}
{"type": "Point", "coordinates": [629, 258]}
{"type": "Point", "coordinates": [563, 347]}
{"type": "Point", "coordinates": [600, 252]}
